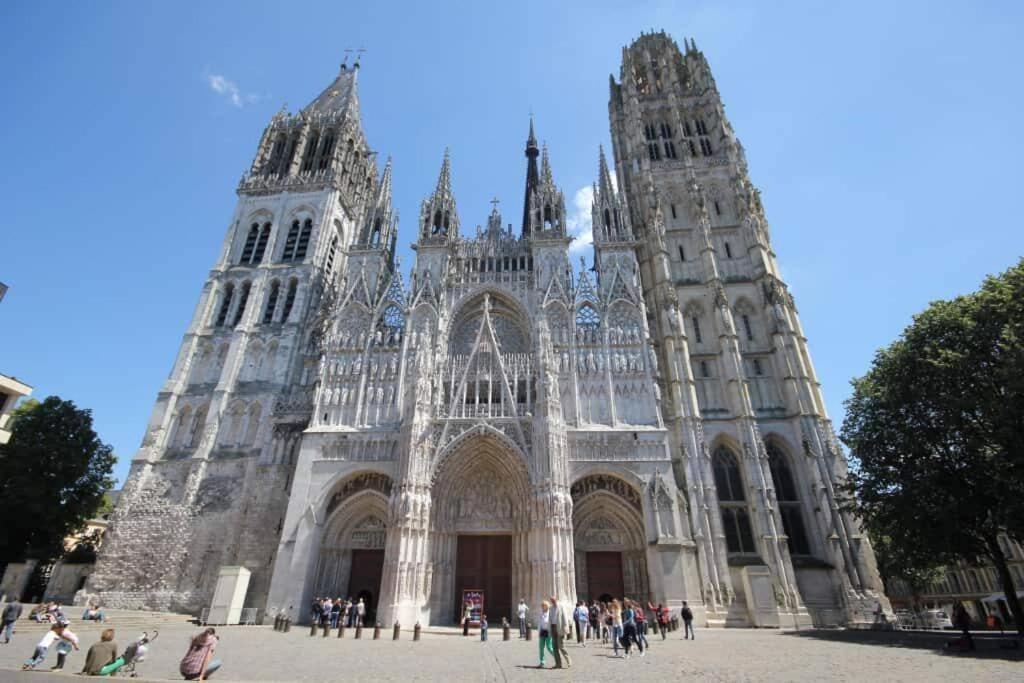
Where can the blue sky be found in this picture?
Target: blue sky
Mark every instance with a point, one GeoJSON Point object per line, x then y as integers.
{"type": "Point", "coordinates": [885, 137]}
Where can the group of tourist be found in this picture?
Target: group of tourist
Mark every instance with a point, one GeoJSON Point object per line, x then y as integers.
{"type": "Point", "coordinates": [327, 612]}
{"type": "Point", "coordinates": [623, 624]}
{"type": "Point", "coordinates": [102, 659]}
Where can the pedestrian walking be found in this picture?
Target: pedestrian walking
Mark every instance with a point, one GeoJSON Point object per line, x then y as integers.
{"type": "Point", "coordinates": [11, 614]}
{"type": "Point", "coordinates": [483, 628]}
{"type": "Point", "coordinates": [101, 654]}
{"type": "Point", "coordinates": [962, 621]}
{"type": "Point", "coordinates": [629, 634]}
{"type": "Point", "coordinates": [615, 617]}
{"type": "Point", "coordinates": [521, 611]}
{"type": "Point", "coordinates": [641, 624]}
{"type": "Point", "coordinates": [361, 613]}
{"type": "Point", "coordinates": [661, 613]}
{"type": "Point", "coordinates": [55, 633]}
{"type": "Point", "coordinates": [335, 612]}
{"type": "Point", "coordinates": [198, 663]}
{"type": "Point", "coordinates": [560, 625]}
{"type": "Point", "coordinates": [595, 619]}
{"type": "Point", "coordinates": [581, 615]}
{"type": "Point", "coordinates": [687, 614]}
{"type": "Point", "coordinates": [544, 631]}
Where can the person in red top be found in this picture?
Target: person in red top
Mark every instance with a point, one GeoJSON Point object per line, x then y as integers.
{"type": "Point", "coordinates": [661, 614]}
{"type": "Point", "coordinates": [641, 624]}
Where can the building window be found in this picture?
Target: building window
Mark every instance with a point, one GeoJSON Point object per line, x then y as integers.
{"type": "Point", "coordinates": [309, 156]}
{"type": "Point", "coordinates": [789, 501]}
{"type": "Point", "coordinates": [696, 330]}
{"type": "Point", "coordinates": [728, 250]}
{"type": "Point", "coordinates": [289, 299]}
{"type": "Point", "coordinates": [746, 327]}
{"type": "Point", "coordinates": [290, 241]}
{"type": "Point", "coordinates": [250, 243]}
{"type": "Point", "coordinates": [268, 312]}
{"type": "Point", "coordinates": [758, 370]}
{"type": "Point", "coordinates": [718, 208]}
{"type": "Point", "coordinates": [329, 267]}
{"type": "Point", "coordinates": [682, 254]}
{"type": "Point", "coordinates": [670, 149]}
{"type": "Point", "coordinates": [261, 244]}
{"type": "Point", "coordinates": [326, 150]}
{"type": "Point", "coordinates": [225, 305]}
{"type": "Point", "coordinates": [588, 317]}
{"type": "Point", "coordinates": [198, 424]}
{"type": "Point", "coordinates": [704, 372]}
{"type": "Point", "coordinates": [672, 207]}
{"type": "Point", "coordinates": [240, 311]}
{"type": "Point", "coordinates": [732, 503]}
{"type": "Point", "coordinates": [654, 151]}
{"type": "Point", "coordinates": [705, 147]}
{"type": "Point", "coordinates": [303, 243]}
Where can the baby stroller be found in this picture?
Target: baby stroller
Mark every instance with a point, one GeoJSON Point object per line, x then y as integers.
{"type": "Point", "coordinates": [135, 653]}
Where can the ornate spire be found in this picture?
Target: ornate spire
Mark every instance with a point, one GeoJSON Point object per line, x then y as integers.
{"type": "Point", "coordinates": [604, 177]}
{"type": "Point", "coordinates": [381, 220]}
{"type": "Point", "coordinates": [384, 191]}
{"type": "Point", "coordinates": [438, 217]}
{"type": "Point", "coordinates": [341, 96]}
{"type": "Point", "coordinates": [545, 205]}
{"type": "Point", "coordinates": [545, 167]}
{"type": "Point", "coordinates": [531, 176]}
{"type": "Point", "coordinates": [610, 215]}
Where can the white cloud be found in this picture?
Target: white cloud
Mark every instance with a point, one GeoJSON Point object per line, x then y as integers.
{"type": "Point", "coordinates": [230, 90]}
{"type": "Point", "coordinates": [579, 222]}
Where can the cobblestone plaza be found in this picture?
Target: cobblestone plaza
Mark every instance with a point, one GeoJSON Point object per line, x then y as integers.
{"type": "Point", "coordinates": [260, 654]}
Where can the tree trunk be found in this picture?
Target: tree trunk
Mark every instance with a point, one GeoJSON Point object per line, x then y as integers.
{"type": "Point", "coordinates": [1006, 579]}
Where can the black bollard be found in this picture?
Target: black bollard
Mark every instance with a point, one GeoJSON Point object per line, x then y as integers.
{"type": "Point", "coordinates": [376, 631]}
{"type": "Point", "coordinates": [312, 627]}
{"type": "Point", "coordinates": [529, 632]}
{"type": "Point", "coordinates": [416, 631]}
{"type": "Point", "coordinates": [287, 624]}
{"type": "Point", "coordinates": [505, 632]}
{"type": "Point", "coordinates": [395, 631]}
{"type": "Point", "coordinates": [359, 630]}
{"type": "Point", "coordinates": [277, 623]}
{"type": "Point", "coordinates": [341, 629]}
{"type": "Point", "coordinates": [326, 629]}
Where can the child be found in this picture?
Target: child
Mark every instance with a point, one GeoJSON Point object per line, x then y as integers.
{"type": "Point", "coordinates": [483, 628]}
{"type": "Point", "coordinates": [64, 646]}
{"type": "Point", "coordinates": [55, 633]}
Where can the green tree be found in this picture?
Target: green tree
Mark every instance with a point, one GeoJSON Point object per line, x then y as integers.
{"type": "Point", "coordinates": [53, 475]}
{"type": "Point", "coordinates": [935, 430]}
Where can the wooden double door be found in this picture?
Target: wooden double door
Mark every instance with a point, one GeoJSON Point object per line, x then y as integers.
{"type": "Point", "coordinates": [485, 563]}
{"type": "Point", "coordinates": [364, 579]}
{"type": "Point", "coordinates": [604, 576]}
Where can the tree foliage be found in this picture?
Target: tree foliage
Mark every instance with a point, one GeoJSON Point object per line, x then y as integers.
{"type": "Point", "coordinates": [54, 473]}
{"type": "Point", "coordinates": [935, 429]}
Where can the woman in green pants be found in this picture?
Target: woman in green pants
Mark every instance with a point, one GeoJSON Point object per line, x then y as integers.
{"type": "Point", "coordinates": [544, 632]}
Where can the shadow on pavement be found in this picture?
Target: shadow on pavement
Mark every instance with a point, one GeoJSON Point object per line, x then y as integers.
{"type": "Point", "coordinates": [987, 645]}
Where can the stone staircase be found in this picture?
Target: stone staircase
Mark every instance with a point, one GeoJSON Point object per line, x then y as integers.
{"type": "Point", "coordinates": [125, 621]}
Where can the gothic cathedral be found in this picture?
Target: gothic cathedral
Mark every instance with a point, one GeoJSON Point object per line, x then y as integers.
{"type": "Point", "coordinates": [498, 421]}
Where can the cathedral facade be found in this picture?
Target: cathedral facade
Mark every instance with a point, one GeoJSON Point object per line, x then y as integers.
{"type": "Point", "coordinates": [498, 421]}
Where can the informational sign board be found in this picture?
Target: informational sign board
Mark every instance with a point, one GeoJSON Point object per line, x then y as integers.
{"type": "Point", "coordinates": [475, 597]}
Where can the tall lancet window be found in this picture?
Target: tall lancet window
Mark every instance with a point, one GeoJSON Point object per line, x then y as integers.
{"type": "Point", "coordinates": [289, 299]}
{"type": "Point", "coordinates": [268, 312]}
{"type": "Point", "coordinates": [225, 305]}
{"type": "Point", "coordinates": [303, 244]}
{"type": "Point", "coordinates": [789, 501]}
{"type": "Point", "coordinates": [732, 502]}
{"type": "Point", "coordinates": [240, 311]}
{"type": "Point", "coordinates": [261, 244]}
{"type": "Point", "coordinates": [250, 243]}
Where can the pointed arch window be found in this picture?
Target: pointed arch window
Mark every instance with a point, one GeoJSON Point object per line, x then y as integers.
{"type": "Point", "coordinates": [240, 311]}
{"type": "Point", "coordinates": [225, 305]}
{"type": "Point", "coordinates": [268, 311]}
{"type": "Point", "coordinates": [587, 316]}
{"type": "Point", "coordinates": [326, 150]}
{"type": "Point", "coordinates": [309, 156]}
{"type": "Point", "coordinates": [732, 503]}
{"type": "Point", "coordinates": [695, 321]}
{"type": "Point", "coordinates": [289, 299]}
{"type": "Point", "coordinates": [303, 244]}
{"type": "Point", "coordinates": [789, 501]}
{"type": "Point", "coordinates": [392, 321]}
{"type": "Point", "coordinates": [289, 244]}
{"type": "Point", "coordinates": [261, 244]}
{"type": "Point", "coordinates": [250, 243]}
{"type": "Point", "coordinates": [747, 329]}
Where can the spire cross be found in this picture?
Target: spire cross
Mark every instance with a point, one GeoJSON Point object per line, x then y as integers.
{"type": "Point", "coordinates": [494, 204]}
{"type": "Point", "coordinates": [359, 55]}
{"type": "Point", "coordinates": [347, 51]}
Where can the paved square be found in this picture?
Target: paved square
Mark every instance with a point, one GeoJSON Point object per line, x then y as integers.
{"type": "Point", "coordinates": [260, 654]}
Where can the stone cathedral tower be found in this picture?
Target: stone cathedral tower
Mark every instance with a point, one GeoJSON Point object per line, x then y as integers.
{"type": "Point", "coordinates": [498, 423]}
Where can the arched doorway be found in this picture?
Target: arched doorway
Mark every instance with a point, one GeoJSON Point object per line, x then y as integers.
{"type": "Point", "coordinates": [351, 558]}
{"type": "Point", "coordinates": [481, 521]}
{"type": "Point", "coordinates": [609, 539]}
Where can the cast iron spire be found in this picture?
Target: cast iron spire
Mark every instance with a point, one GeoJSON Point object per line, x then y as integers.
{"type": "Point", "coordinates": [532, 177]}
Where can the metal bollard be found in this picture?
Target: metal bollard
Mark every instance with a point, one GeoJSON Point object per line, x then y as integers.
{"type": "Point", "coordinates": [376, 631]}
{"type": "Point", "coordinates": [395, 631]}
{"type": "Point", "coordinates": [359, 630]}
{"type": "Point", "coordinates": [312, 628]}
{"type": "Point", "coordinates": [505, 631]}
{"type": "Point", "coordinates": [326, 629]}
{"type": "Point", "coordinates": [341, 629]}
{"type": "Point", "coordinates": [287, 624]}
{"type": "Point", "coordinates": [529, 632]}
{"type": "Point", "coordinates": [277, 623]}
{"type": "Point", "coordinates": [416, 631]}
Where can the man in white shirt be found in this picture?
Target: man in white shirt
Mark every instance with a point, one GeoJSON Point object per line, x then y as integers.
{"type": "Point", "coordinates": [560, 623]}
{"type": "Point", "coordinates": [521, 612]}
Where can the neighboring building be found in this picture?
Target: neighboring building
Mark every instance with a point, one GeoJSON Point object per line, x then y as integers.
{"type": "Point", "coordinates": [11, 389]}
{"type": "Point", "coordinates": [654, 429]}
{"type": "Point", "coordinates": [977, 586]}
